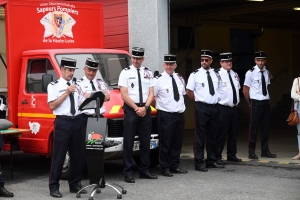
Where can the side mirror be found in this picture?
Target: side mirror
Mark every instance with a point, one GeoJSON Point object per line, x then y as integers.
{"type": "Point", "coordinates": [46, 79]}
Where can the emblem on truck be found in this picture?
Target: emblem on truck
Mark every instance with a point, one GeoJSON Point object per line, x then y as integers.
{"type": "Point", "coordinates": [58, 24]}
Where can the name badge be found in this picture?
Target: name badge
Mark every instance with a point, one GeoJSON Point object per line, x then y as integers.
{"type": "Point", "coordinates": [62, 90]}
{"type": "Point", "coordinates": [131, 77]}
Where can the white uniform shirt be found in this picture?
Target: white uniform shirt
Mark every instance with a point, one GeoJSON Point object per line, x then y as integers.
{"type": "Point", "coordinates": [198, 83]}
{"type": "Point", "coordinates": [55, 90]}
{"type": "Point", "coordinates": [163, 91]}
{"type": "Point", "coordinates": [253, 81]}
{"type": "Point", "coordinates": [226, 93]}
{"type": "Point", "coordinates": [129, 79]}
{"type": "Point", "coordinates": [86, 86]}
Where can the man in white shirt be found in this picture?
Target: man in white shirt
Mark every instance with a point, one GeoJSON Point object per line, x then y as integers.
{"type": "Point", "coordinates": [228, 101]}
{"type": "Point", "coordinates": [136, 87]}
{"type": "Point", "coordinates": [169, 88]}
{"type": "Point", "coordinates": [202, 88]}
{"type": "Point", "coordinates": [68, 135]}
{"type": "Point", "coordinates": [257, 96]}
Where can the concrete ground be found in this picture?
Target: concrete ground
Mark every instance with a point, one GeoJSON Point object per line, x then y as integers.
{"type": "Point", "coordinates": [282, 141]}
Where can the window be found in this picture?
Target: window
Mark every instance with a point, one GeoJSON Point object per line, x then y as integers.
{"type": "Point", "coordinates": [36, 69]}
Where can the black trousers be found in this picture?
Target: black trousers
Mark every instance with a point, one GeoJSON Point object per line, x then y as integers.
{"type": "Point", "coordinates": [1, 179]}
{"type": "Point", "coordinates": [171, 128]}
{"type": "Point", "coordinates": [142, 126]}
{"type": "Point", "coordinates": [207, 123]}
{"type": "Point", "coordinates": [228, 127]}
{"type": "Point", "coordinates": [68, 136]}
{"type": "Point", "coordinates": [259, 118]}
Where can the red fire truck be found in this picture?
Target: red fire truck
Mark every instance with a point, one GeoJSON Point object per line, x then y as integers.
{"type": "Point", "coordinates": [38, 35]}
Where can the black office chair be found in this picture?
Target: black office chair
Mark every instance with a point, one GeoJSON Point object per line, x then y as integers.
{"type": "Point", "coordinates": [95, 145]}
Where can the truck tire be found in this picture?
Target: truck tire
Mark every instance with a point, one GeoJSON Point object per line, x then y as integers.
{"type": "Point", "coordinates": [66, 168]}
{"type": "Point", "coordinates": [154, 160]}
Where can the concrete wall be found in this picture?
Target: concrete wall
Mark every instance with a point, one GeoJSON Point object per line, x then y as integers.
{"type": "Point", "coordinates": [148, 28]}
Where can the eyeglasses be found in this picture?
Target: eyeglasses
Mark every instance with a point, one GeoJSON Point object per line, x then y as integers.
{"type": "Point", "coordinates": [204, 60]}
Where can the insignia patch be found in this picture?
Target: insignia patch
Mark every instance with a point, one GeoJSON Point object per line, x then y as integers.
{"type": "Point", "coordinates": [257, 81]}
{"type": "Point", "coordinates": [203, 85]}
{"type": "Point", "coordinates": [167, 90]}
{"type": "Point", "coordinates": [224, 84]}
{"type": "Point", "coordinates": [132, 85]}
{"type": "Point", "coordinates": [195, 71]}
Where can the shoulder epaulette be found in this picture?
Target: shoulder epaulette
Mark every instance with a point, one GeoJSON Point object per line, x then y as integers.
{"type": "Point", "coordinates": [147, 69]}
{"type": "Point", "coordinates": [54, 82]}
{"type": "Point", "coordinates": [217, 70]}
{"type": "Point", "coordinates": [179, 74]}
{"type": "Point", "coordinates": [195, 71]}
{"type": "Point", "coordinates": [251, 70]}
{"type": "Point", "coordinates": [99, 79]}
{"type": "Point", "coordinates": [81, 79]}
{"type": "Point", "coordinates": [159, 75]}
{"type": "Point", "coordinates": [126, 68]}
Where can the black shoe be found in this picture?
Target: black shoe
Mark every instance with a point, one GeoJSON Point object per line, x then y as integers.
{"type": "Point", "coordinates": [56, 194]}
{"type": "Point", "coordinates": [75, 190]}
{"type": "Point", "coordinates": [233, 159]}
{"type": "Point", "coordinates": [252, 156]}
{"type": "Point", "coordinates": [5, 193]}
{"type": "Point", "coordinates": [167, 173]}
{"type": "Point", "coordinates": [148, 175]}
{"type": "Point", "coordinates": [129, 179]}
{"type": "Point", "coordinates": [220, 162]}
{"type": "Point", "coordinates": [268, 155]}
{"type": "Point", "coordinates": [201, 168]}
{"type": "Point", "coordinates": [214, 165]}
{"type": "Point", "coordinates": [179, 171]}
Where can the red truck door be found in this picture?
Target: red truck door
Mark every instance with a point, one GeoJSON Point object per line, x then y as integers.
{"type": "Point", "coordinates": [33, 111]}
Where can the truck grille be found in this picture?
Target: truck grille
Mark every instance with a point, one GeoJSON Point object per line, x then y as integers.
{"type": "Point", "coordinates": [115, 127]}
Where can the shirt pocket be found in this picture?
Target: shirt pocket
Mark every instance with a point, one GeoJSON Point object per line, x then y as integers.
{"type": "Point", "coordinates": [133, 85]}
{"type": "Point", "coordinates": [201, 84]}
{"type": "Point", "coordinates": [146, 83]}
{"type": "Point", "coordinates": [167, 91]}
{"type": "Point", "coordinates": [256, 82]}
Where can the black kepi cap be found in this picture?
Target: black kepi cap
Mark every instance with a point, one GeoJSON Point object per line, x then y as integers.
{"type": "Point", "coordinates": [226, 56]}
{"type": "Point", "coordinates": [260, 54]}
{"type": "Point", "coordinates": [207, 53]}
{"type": "Point", "coordinates": [90, 63]}
{"type": "Point", "coordinates": [137, 52]}
{"type": "Point", "coordinates": [169, 58]}
{"type": "Point", "coordinates": [68, 63]}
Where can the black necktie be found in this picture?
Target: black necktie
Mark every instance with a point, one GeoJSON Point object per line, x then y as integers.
{"type": "Point", "coordinates": [263, 82]}
{"type": "Point", "coordinates": [140, 86]}
{"type": "Point", "coordinates": [233, 89]}
{"type": "Point", "coordinates": [93, 86]}
{"type": "Point", "coordinates": [210, 84]}
{"type": "Point", "coordinates": [72, 101]}
{"type": "Point", "coordinates": [175, 89]}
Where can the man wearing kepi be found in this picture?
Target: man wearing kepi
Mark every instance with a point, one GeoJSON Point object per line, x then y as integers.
{"type": "Point", "coordinates": [202, 88]}
{"type": "Point", "coordinates": [169, 88]}
{"type": "Point", "coordinates": [228, 100]}
{"type": "Point", "coordinates": [63, 99]}
{"type": "Point", "coordinates": [136, 87]}
{"type": "Point", "coordinates": [89, 83]}
{"type": "Point", "coordinates": [257, 96]}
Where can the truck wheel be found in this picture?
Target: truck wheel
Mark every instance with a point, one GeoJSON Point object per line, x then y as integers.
{"type": "Point", "coordinates": [66, 168]}
{"type": "Point", "coordinates": [154, 161]}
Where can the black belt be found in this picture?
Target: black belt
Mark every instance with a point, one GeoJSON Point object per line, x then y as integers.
{"type": "Point", "coordinates": [170, 112]}
{"type": "Point", "coordinates": [207, 104]}
{"type": "Point", "coordinates": [260, 100]}
{"type": "Point", "coordinates": [227, 106]}
{"type": "Point", "coordinates": [68, 117]}
{"type": "Point", "coordinates": [140, 104]}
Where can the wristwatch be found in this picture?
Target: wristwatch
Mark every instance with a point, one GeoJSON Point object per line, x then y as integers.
{"type": "Point", "coordinates": [146, 107]}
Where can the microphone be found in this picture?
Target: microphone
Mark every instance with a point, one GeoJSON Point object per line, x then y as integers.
{"type": "Point", "coordinates": [74, 80]}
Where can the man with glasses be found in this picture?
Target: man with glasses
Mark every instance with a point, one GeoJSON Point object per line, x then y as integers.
{"type": "Point", "coordinates": [202, 88]}
{"type": "Point", "coordinates": [257, 96]}
{"type": "Point", "coordinates": [228, 101]}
